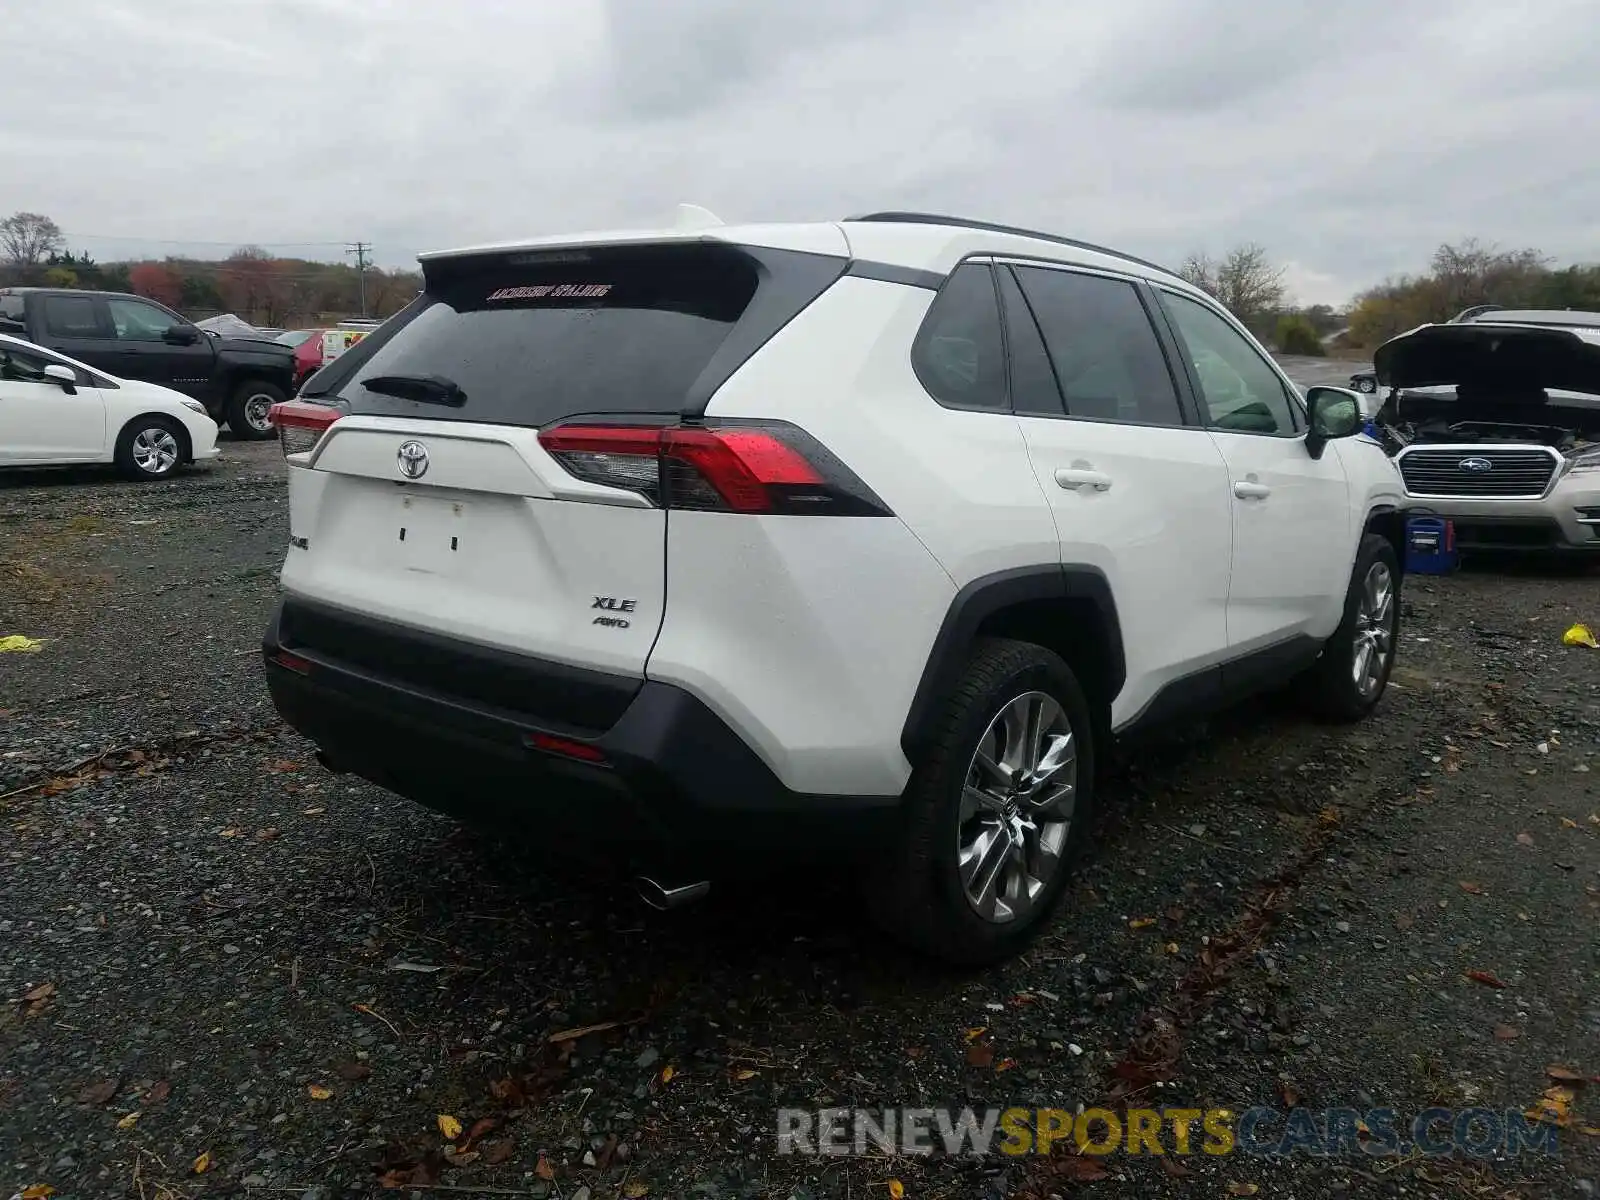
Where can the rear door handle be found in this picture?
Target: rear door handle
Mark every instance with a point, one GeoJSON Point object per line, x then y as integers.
{"type": "Point", "coordinates": [1246, 490]}
{"type": "Point", "coordinates": [1076, 480]}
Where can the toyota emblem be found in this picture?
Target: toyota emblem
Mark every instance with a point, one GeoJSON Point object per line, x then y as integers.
{"type": "Point", "coordinates": [413, 459]}
{"type": "Point", "coordinates": [1473, 466]}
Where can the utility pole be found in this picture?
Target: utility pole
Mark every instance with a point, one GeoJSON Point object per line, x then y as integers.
{"type": "Point", "coordinates": [361, 250]}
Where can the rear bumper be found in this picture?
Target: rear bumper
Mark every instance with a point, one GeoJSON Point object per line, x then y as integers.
{"type": "Point", "coordinates": [672, 776]}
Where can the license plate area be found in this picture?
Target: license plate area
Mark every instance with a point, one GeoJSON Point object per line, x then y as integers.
{"type": "Point", "coordinates": [431, 534]}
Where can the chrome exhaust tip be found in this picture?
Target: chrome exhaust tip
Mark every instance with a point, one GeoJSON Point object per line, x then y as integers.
{"type": "Point", "coordinates": [662, 898]}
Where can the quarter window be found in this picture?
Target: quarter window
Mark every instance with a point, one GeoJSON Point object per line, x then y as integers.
{"type": "Point", "coordinates": [1239, 390]}
{"type": "Point", "coordinates": [1107, 358]}
{"type": "Point", "coordinates": [958, 353]}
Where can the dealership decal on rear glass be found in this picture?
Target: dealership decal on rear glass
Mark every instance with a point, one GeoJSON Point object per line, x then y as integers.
{"type": "Point", "coordinates": [553, 291]}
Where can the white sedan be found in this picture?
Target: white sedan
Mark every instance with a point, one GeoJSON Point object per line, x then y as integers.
{"type": "Point", "coordinates": [55, 411]}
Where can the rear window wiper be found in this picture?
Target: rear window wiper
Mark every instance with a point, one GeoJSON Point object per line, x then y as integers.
{"type": "Point", "coordinates": [425, 389]}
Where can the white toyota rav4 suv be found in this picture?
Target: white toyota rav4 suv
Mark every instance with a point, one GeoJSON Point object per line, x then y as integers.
{"type": "Point", "coordinates": [853, 538]}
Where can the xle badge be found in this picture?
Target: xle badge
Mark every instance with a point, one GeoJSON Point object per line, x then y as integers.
{"type": "Point", "coordinates": [612, 604]}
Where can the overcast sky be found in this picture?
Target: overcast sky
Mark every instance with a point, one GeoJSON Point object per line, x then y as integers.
{"type": "Point", "coordinates": [1349, 137]}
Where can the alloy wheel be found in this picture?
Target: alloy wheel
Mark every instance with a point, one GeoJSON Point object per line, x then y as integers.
{"type": "Point", "coordinates": [257, 412]}
{"type": "Point", "coordinates": [1374, 633]}
{"type": "Point", "coordinates": [155, 450]}
{"type": "Point", "coordinates": [1016, 807]}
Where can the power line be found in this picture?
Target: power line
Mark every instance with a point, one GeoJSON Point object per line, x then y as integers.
{"type": "Point", "coordinates": [126, 237]}
{"type": "Point", "coordinates": [361, 250]}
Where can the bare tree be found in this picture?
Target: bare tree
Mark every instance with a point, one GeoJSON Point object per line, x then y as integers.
{"type": "Point", "coordinates": [27, 239]}
{"type": "Point", "coordinates": [1244, 281]}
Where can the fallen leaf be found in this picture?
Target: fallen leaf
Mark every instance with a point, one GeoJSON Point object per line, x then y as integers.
{"type": "Point", "coordinates": [897, 1190]}
{"type": "Point", "coordinates": [495, 1153]}
{"type": "Point", "coordinates": [1243, 1189]}
{"type": "Point", "coordinates": [129, 1121]}
{"type": "Point", "coordinates": [572, 1035]}
{"type": "Point", "coordinates": [1524, 839]}
{"type": "Point", "coordinates": [354, 1072]}
{"type": "Point", "coordinates": [1287, 1093]}
{"type": "Point", "coordinates": [158, 1093]}
{"type": "Point", "coordinates": [39, 994]}
{"type": "Point", "coordinates": [99, 1093]}
{"type": "Point", "coordinates": [1507, 1033]}
{"type": "Point", "coordinates": [1568, 823]}
{"type": "Point", "coordinates": [636, 1189]}
{"type": "Point", "coordinates": [745, 1073]}
{"type": "Point", "coordinates": [1554, 1107]}
{"type": "Point", "coordinates": [1563, 1074]}
{"type": "Point", "coordinates": [313, 812]}
{"type": "Point", "coordinates": [1403, 920]}
{"type": "Point", "coordinates": [1175, 1168]}
{"type": "Point", "coordinates": [1141, 922]}
{"type": "Point", "coordinates": [974, 1034]}
{"type": "Point", "coordinates": [317, 1092]}
{"type": "Point", "coordinates": [231, 833]}
{"type": "Point", "coordinates": [480, 1127]}
{"type": "Point", "coordinates": [667, 1073]}
{"type": "Point", "coordinates": [980, 1054]}
{"type": "Point", "coordinates": [1084, 1170]}
{"type": "Point", "coordinates": [203, 1163]}
{"type": "Point", "coordinates": [1485, 978]}
{"type": "Point", "coordinates": [461, 1158]}
{"type": "Point", "coordinates": [1005, 1064]}
{"type": "Point", "coordinates": [1475, 889]}
{"type": "Point", "coordinates": [266, 835]}
{"type": "Point", "coordinates": [39, 1191]}
{"type": "Point", "coordinates": [544, 1170]}
{"type": "Point", "coordinates": [449, 1127]}
{"type": "Point", "coordinates": [1329, 816]}
{"type": "Point", "coordinates": [282, 766]}
{"type": "Point", "coordinates": [916, 1051]}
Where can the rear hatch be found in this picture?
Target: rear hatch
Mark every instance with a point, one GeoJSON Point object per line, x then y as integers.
{"type": "Point", "coordinates": [430, 502]}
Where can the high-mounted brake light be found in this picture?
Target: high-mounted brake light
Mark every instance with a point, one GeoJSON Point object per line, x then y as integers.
{"type": "Point", "coordinates": [743, 467]}
{"type": "Point", "coordinates": [301, 424]}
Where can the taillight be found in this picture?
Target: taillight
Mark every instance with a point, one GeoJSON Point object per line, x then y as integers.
{"type": "Point", "coordinates": [301, 424]}
{"type": "Point", "coordinates": [744, 467]}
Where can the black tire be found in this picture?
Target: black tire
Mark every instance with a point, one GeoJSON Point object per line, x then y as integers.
{"type": "Point", "coordinates": [247, 409]}
{"type": "Point", "coordinates": [1329, 688]}
{"type": "Point", "coordinates": [151, 447]}
{"type": "Point", "coordinates": [914, 891]}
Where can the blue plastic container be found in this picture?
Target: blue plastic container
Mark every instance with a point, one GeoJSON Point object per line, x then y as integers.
{"type": "Point", "coordinates": [1430, 546]}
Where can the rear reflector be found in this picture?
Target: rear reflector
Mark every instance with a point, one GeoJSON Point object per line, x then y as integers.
{"type": "Point", "coordinates": [742, 467]}
{"type": "Point", "coordinates": [565, 747]}
{"type": "Point", "coordinates": [290, 662]}
{"type": "Point", "coordinates": [301, 424]}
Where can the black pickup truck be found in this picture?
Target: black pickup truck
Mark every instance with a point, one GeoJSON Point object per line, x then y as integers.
{"type": "Point", "coordinates": [237, 379]}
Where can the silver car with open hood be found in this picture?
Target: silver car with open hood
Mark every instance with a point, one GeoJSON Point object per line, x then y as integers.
{"type": "Point", "coordinates": [1494, 422]}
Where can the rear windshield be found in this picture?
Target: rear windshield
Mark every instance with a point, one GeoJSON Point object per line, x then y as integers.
{"type": "Point", "coordinates": [532, 338]}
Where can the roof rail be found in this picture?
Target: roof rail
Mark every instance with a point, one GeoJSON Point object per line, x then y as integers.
{"type": "Point", "coordinates": [915, 218]}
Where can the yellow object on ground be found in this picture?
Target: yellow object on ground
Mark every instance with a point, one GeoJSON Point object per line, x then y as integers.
{"type": "Point", "coordinates": [1578, 635]}
{"type": "Point", "coordinates": [17, 642]}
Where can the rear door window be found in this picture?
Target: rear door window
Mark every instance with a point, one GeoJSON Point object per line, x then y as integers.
{"type": "Point", "coordinates": [535, 338]}
{"type": "Point", "coordinates": [1106, 355]}
{"type": "Point", "coordinates": [73, 317]}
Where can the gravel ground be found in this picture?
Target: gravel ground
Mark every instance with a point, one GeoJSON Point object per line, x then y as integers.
{"type": "Point", "coordinates": [224, 971]}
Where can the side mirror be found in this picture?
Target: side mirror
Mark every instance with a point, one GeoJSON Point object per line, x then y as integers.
{"type": "Point", "coordinates": [181, 335]}
{"type": "Point", "coordinates": [1334, 413]}
{"type": "Point", "coordinates": [65, 376]}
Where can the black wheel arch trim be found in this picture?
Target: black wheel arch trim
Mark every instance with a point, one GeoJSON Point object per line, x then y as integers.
{"type": "Point", "coordinates": [981, 599]}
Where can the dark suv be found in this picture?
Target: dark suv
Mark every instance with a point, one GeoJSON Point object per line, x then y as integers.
{"type": "Point", "coordinates": [237, 379]}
